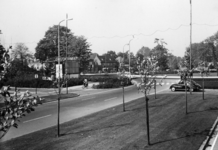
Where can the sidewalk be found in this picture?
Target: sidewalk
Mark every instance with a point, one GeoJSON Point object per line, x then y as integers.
{"type": "Point", "coordinates": [53, 91]}
{"type": "Point", "coordinates": [42, 92]}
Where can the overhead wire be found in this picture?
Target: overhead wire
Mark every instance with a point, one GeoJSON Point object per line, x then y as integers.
{"type": "Point", "coordinates": [138, 34]}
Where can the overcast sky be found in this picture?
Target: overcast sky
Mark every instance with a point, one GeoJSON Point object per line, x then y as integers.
{"type": "Point", "coordinates": [110, 24]}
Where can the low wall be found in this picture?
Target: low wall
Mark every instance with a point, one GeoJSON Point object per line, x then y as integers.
{"type": "Point", "coordinates": [209, 83]}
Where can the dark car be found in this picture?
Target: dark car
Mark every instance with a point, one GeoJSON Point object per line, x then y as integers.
{"type": "Point", "coordinates": [181, 86]}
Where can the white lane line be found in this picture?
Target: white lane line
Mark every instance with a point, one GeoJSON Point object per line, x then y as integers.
{"type": "Point", "coordinates": [88, 98]}
{"type": "Point", "coordinates": [110, 99]}
{"type": "Point", "coordinates": [36, 118]}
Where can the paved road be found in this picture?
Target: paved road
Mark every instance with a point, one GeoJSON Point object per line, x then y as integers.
{"type": "Point", "coordinates": [89, 101]}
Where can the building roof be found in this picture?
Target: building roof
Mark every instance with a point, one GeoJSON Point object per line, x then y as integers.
{"type": "Point", "coordinates": [93, 55]}
{"type": "Point", "coordinates": [107, 59]}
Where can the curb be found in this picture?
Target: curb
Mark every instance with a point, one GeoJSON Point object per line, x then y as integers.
{"type": "Point", "coordinates": [210, 141]}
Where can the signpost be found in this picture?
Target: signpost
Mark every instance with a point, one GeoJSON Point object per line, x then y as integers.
{"type": "Point", "coordinates": [57, 71]}
{"type": "Point", "coordinates": [36, 77]}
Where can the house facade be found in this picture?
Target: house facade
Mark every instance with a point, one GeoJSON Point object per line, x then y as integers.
{"type": "Point", "coordinates": [105, 63]}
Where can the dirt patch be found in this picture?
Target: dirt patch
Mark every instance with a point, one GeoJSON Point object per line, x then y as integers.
{"type": "Point", "coordinates": [170, 127]}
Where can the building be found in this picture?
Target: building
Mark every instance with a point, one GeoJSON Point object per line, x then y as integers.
{"type": "Point", "coordinates": [109, 63]}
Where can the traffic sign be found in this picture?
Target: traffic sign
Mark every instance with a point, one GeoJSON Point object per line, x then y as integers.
{"type": "Point", "coordinates": [36, 76]}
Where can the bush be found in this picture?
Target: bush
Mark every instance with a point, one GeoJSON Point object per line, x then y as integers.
{"type": "Point", "coordinates": [29, 82]}
{"type": "Point", "coordinates": [75, 81]}
{"type": "Point", "coordinates": [112, 83]}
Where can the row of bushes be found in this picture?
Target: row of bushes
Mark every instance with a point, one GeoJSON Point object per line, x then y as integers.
{"type": "Point", "coordinates": [33, 83]}
{"type": "Point", "coordinates": [112, 83]}
{"type": "Point", "coordinates": [104, 82]}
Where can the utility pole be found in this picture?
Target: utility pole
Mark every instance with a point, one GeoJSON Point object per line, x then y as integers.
{"type": "Point", "coordinates": [66, 64]}
{"type": "Point", "coordinates": [190, 43]}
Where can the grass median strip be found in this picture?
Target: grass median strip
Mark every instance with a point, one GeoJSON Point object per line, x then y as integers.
{"type": "Point", "coordinates": [170, 127]}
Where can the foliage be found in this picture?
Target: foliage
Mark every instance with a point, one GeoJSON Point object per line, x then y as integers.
{"type": "Point", "coordinates": [173, 62]}
{"type": "Point", "coordinates": [19, 68]}
{"type": "Point", "coordinates": [148, 66]}
{"type": "Point", "coordinates": [78, 47]}
{"type": "Point", "coordinates": [143, 52]}
{"type": "Point", "coordinates": [75, 81]}
{"type": "Point", "coordinates": [15, 105]}
{"type": "Point", "coordinates": [21, 52]}
{"type": "Point", "coordinates": [112, 83]}
{"type": "Point", "coordinates": [4, 61]}
{"type": "Point", "coordinates": [161, 54]}
{"type": "Point", "coordinates": [206, 50]}
{"type": "Point", "coordinates": [81, 51]}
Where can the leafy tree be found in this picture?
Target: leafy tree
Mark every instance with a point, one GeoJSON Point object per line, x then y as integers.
{"type": "Point", "coordinates": [16, 106]}
{"type": "Point", "coordinates": [212, 45]}
{"type": "Point", "coordinates": [81, 51]}
{"type": "Point", "coordinates": [125, 56]}
{"type": "Point", "coordinates": [21, 52]}
{"type": "Point", "coordinates": [173, 62]}
{"type": "Point", "coordinates": [161, 54]}
{"type": "Point", "coordinates": [47, 48]}
{"type": "Point", "coordinates": [143, 52]}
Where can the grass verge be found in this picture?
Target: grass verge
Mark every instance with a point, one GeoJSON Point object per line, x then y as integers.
{"type": "Point", "coordinates": [170, 127]}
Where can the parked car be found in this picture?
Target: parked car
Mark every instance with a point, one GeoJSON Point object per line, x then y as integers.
{"type": "Point", "coordinates": [181, 86]}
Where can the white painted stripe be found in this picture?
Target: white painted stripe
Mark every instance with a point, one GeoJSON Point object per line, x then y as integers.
{"type": "Point", "coordinates": [168, 83]}
{"type": "Point", "coordinates": [110, 99]}
{"type": "Point", "coordinates": [88, 98]}
{"type": "Point", "coordinates": [36, 119]}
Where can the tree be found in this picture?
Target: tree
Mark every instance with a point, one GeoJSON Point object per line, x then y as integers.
{"type": "Point", "coordinates": [161, 54]}
{"type": "Point", "coordinates": [173, 62]}
{"type": "Point", "coordinates": [212, 45]}
{"type": "Point", "coordinates": [143, 52]}
{"type": "Point", "coordinates": [47, 48]}
{"type": "Point", "coordinates": [16, 106]}
{"type": "Point", "coordinates": [81, 51]}
{"type": "Point", "coordinates": [21, 52]}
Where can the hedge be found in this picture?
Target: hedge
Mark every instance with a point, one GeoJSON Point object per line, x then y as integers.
{"type": "Point", "coordinates": [112, 83]}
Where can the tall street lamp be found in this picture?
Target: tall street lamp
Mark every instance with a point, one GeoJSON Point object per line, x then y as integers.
{"type": "Point", "coordinates": [123, 53]}
{"type": "Point", "coordinates": [129, 53]}
{"type": "Point", "coordinates": [123, 79]}
{"type": "Point", "coordinates": [59, 74]}
{"type": "Point", "coordinates": [66, 55]}
{"type": "Point", "coordinates": [190, 33]}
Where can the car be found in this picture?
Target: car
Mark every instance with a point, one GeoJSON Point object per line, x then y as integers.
{"type": "Point", "coordinates": [181, 86]}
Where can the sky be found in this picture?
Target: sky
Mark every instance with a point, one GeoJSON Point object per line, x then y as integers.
{"type": "Point", "coordinates": [111, 24]}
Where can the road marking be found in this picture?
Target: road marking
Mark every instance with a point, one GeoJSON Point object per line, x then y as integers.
{"type": "Point", "coordinates": [88, 98]}
{"type": "Point", "coordinates": [36, 118]}
{"type": "Point", "coordinates": [168, 83]}
{"type": "Point", "coordinates": [110, 99]}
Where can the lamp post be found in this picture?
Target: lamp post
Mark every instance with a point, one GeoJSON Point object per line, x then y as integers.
{"type": "Point", "coordinates": [129, 54]}
{"type": "Point", "coordinates": [190, 33]}
{"type": "Point", "coordinates": [59, 87]}
{"type": "Point", "coordinates": [190, 42]}
{"type": "Point", "coordinates": [66, 64]}
{"type": "Point", "coordinates": [123, 80]}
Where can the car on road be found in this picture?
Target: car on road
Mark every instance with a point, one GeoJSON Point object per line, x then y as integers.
{"type": "Point", "coordinates": [181, 86]}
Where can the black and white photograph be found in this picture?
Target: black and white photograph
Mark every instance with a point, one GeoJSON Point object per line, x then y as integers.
{"type": "Point", "coordinates": [108, 74]}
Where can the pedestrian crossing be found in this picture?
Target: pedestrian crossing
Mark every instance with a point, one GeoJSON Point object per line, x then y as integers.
{"type": "Point", "coordinates": [168, 83]}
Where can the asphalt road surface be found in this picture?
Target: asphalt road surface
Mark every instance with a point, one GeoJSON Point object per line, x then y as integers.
{"type": "Point", "coordinates": [89, 101]}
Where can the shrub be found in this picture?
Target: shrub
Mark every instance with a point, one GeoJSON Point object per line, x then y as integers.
{"type": "Point", "coordinates": [74, 81]}
{"type": "Point", "coordinates": [29, 82]}
{"type": "Point", "coordinates": [112, 83]}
